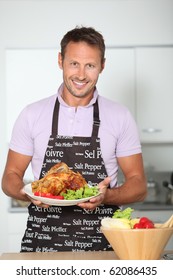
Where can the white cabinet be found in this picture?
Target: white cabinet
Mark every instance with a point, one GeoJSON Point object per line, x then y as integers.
{"type": "Point", "coordinates": [117, 81]}
{"type": "Point", "coordinates": [142, 79]}
{"type": "Point", "coordinates": [154, 94]}
{"type": "Point", "coordinates": [16, 228]}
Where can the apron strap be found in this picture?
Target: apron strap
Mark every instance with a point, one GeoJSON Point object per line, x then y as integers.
{"type": "Point", "coordinates": [96, 122]}
{"type": "Point", "coordinates": [55, 118]}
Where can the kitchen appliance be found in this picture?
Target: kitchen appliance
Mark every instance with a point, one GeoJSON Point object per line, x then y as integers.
{"type": "Point", "coordinates": [168, 256]}
{"type": "Point", "coordinates": [152, 191]}
{"type": "Point", "coordinates": [169, 186]}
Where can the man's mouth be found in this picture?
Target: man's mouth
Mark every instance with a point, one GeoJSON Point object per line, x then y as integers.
{"type": "Point", "coordinates": [79, 84]}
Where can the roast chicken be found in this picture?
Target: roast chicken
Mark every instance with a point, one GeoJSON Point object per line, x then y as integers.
{"type": "Point", "coordinates": [58, 179]}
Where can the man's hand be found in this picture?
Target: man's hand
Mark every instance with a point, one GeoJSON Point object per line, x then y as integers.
{"type": "Point", "coordinates": [96, 201]}
{"type": "Point", "coordinates": [34, 201]}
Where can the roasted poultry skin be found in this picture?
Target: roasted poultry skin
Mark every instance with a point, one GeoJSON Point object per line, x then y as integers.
{"type": "Point", "coordinates": [58, 179]}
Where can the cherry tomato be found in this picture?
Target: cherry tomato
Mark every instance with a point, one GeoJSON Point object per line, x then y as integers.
{"type": "Point", "coordinates": [146, 223]}
{"type": "Point", "coordinates": [37, 193]}
{"type": "Point", "coordinates": [137, 225]}
{"type": "Point", "coordinates": [143, 220]}
{"type": "Point", "coordinates": [49, 195]}
{"type": "Point", "coordinates": [58, 197]}
{"type": "Point", "coordinates": [149, 224]}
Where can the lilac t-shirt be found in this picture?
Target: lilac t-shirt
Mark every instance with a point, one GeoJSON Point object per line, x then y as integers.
{"type": "Point", "coordinates": [118, 132]}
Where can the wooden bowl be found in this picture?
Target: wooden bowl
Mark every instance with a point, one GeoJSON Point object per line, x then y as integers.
{"type": "Point", "coordinates": [138, 244]}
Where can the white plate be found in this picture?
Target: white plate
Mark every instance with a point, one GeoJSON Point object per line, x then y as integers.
{"type": "Point", "coordinates": [52, 201]}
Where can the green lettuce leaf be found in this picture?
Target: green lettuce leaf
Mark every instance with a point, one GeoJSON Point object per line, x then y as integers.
{"type": "Point", "coordinates": [84, 192]}
{"type": "Point", "coordinates": [126, 213]}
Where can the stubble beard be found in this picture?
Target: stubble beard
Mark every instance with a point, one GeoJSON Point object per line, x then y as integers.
{"type": "Point", "coordinates": [81, 94]}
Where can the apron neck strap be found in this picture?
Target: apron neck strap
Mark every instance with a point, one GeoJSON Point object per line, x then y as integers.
{"type": "Point", "coordinates": [96, 122]}
{"type": "Point", "coordinates": [55, 118]}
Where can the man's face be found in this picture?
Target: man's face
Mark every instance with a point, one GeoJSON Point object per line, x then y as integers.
{"type": "Point", "coordinates": [81, 68]}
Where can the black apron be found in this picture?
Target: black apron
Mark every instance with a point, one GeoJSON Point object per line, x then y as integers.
{"type": "Point", "coordinates": [70, 228]}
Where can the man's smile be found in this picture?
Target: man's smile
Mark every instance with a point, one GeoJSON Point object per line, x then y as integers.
{"type": "Point", "coordinates": [79, 84]}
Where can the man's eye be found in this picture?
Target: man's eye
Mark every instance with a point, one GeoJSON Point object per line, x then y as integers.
{"type": "Point", "coordinates": [74, 63]}
{"type": "Point", "coordinates": [90, 66]}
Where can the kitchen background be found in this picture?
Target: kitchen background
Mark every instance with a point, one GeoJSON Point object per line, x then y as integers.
{"type": "Point", "coordinates": [139, 73]}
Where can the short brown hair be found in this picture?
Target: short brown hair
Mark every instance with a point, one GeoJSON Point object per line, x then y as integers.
{"type": "Point", "coordinates": [85, 34]}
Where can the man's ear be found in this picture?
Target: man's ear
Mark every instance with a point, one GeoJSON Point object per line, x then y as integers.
{"type": "Point", "coordinates": [60, 60]}
{"type": "Point", "coordinates": [103, 66]}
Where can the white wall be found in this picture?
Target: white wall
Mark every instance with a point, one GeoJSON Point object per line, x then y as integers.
{"type": "Point", "coordinates": [41, 24]}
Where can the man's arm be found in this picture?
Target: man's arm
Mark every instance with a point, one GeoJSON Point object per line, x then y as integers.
{"type": "Point", "coordinates": [134, 188]}
{"type": "Point", "coordinates": [12, 180]}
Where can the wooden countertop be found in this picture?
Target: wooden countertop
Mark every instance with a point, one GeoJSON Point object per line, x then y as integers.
{"type": "Point", "coordinates": [107, 255]}
{"type": "Point", "coordinates": [98, 255]}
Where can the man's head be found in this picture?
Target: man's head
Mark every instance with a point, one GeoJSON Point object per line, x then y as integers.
{"type": "Point", "coordinates": [84, 34]}
{"type": "Point", "coordinates": [82, 60]}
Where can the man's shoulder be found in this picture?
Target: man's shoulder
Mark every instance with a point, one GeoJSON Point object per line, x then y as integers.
{"type": "Point", "coordinates": [42, 107]}
{"type": "Point", "coordinates": [42, 102]}
{"type": "Point", "coordinates": [111, 104]}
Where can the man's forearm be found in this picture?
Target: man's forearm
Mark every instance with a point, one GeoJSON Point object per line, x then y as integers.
{"type": "Point", "coordinates": [133, 190]}
{"type": "Point", "coordinates": [12, 186]}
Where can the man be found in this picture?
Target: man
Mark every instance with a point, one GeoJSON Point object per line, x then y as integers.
{"type": "Point", "coordinates": [88, 132]}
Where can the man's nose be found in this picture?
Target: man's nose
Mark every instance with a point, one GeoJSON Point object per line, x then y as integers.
{"type": "Point", "coordinates": [81, 73]}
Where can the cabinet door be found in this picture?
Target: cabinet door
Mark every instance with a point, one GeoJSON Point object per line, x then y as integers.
{"type": "Point", "coordinates": [31, 74]}
{"type": "Point", "coordinates": [154, 85]}
{"type": "Point", "coordinates": [117, 81]}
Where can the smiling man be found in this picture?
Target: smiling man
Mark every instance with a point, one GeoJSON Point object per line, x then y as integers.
{"type": "Point", "coordinates": [91, 134]}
